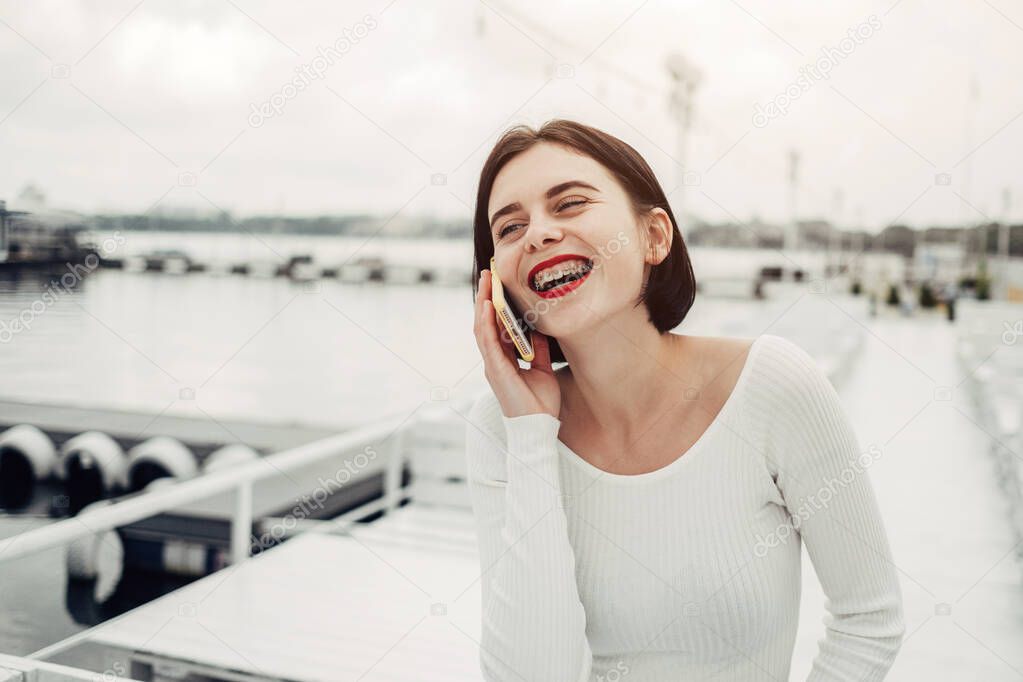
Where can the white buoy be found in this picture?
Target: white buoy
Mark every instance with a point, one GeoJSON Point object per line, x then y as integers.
{"type": "Point", "coordinates": [354, 273]}
{"type": "Point", "coordinates": [264, 268]}
{"type": "Point", "coordinates": [98, 557]}
{"type": "Point", "coordinates": [175, 265]}
{"type": "Point", "coordinates": [134, 264]}
{"type": "Point", "coordinates": [229, 456]}
{"type": "Point", "coordinates": [94, 466]}
{"type": "Point", "coordinates": [158, 457]}
{"type": "Point", "coordinates": [401, 274]}
{"type": "Point", "coordinates": [26, 455]}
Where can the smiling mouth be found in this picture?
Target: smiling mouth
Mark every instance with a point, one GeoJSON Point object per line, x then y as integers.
{"type": "Point", "coordinates": [561, 285]}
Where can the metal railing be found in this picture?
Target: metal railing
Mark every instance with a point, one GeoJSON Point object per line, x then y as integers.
{"type": "Point", "coordinates": [17, 669]}
{"type": "Point", "coordinates": [239, 480]}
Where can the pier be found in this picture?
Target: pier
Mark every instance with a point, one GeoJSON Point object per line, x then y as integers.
{"type": "Point", "coordinates": [300, 268]}
{"type": "Point", "coordinates": [954, 538]}
{"type": "Point", "coordinates": [368, 270]}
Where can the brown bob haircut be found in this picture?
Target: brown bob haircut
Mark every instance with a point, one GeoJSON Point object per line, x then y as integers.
{"type": "Point", "coordinates": [670, 289]}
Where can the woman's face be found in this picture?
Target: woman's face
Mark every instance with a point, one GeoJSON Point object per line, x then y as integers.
{"type": "Point", "coordinates": [552, 201]}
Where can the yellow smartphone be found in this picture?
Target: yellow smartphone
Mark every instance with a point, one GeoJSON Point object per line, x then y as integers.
{"type": "Point", "coordinates": [504, 313]}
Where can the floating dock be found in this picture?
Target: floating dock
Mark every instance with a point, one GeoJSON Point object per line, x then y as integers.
{"type": "Point", "coordinates": [195, 539]}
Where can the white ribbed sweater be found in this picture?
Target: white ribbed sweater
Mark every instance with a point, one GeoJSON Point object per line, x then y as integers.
{"type": "Point", "coordinates": [691, 571]}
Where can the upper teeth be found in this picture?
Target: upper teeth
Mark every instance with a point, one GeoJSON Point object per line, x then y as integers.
{"type": "Point", "coordinates": [562, 269]}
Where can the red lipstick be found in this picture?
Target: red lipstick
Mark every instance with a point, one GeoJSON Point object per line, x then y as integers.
{"type": "Point", "coordinates": [563, 289]}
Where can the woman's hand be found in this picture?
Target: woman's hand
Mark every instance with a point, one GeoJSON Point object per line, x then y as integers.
{"type": "Point", "coordinates": [519, 391]}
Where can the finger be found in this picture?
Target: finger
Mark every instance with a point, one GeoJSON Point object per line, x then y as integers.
{"type": "Point", "coordinates": [490, 326]}
{"type": "Point", "coordinates": [541, 352]}
{"type": "Point", "coordinates": [499, 359]}
{"type": "Point", "coordinates": [482, 296]}
{"type": "Point", "coordinates": [505, 336]}
{"type": "Point", "coordinates": [502, 338]}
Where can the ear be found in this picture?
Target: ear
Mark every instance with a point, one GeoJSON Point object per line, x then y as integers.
{"type": "Point", "coordinates": [658, 236]}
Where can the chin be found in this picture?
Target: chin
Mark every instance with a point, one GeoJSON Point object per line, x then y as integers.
{"type": "Point", "coordinates": [563, 323]}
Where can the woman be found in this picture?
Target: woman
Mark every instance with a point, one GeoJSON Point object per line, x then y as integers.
{"type": "Point", "coordinates": [640, 511]}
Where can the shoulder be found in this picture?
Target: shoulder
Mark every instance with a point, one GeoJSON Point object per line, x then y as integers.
{"type": "Point", "coordinates": [783, 367]}
{"type": "Point", "coordinates": [793, 401]}
{"type": "Point", "coordinates": [718, 351]}
{"type": "Point", "coordinates": [787, 386]}
{"type": "Point", "coordinates": [722, 363]}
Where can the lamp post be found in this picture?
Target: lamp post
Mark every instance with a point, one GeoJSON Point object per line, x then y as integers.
{"type": "Point", "coordinates": [1003, 242]}
{"type": "Point", "coordinates": [792, 240]}
{"type": "Point", "coordinates": [685, 77]}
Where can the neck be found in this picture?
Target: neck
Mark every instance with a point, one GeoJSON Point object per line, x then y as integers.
{"type": "Point", "coordinates": [619, 370]}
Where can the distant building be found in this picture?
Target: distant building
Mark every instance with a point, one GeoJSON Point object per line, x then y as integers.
{"type": "Point", "coordinates": [36, 238]}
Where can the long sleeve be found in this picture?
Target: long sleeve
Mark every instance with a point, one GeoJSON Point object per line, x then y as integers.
{"type": "Point", "coordinates": [814, 457]}
{"type": "Point", "coordinates": [533, 623]}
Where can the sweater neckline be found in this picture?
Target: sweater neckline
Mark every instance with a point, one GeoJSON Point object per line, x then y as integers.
{"type": "Point", "coordinates": [684, 458]}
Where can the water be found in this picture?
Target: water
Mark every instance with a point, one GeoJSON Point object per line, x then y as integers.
{"type": "Point", "coordinates": [30, 588]}
{"type": "Point", "coordinates": [259, 349]}
{"type": "Point", "coordinates": [41, 606]}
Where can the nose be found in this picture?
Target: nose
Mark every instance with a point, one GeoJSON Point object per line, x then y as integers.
{"type": "Point", "coordinates": [542, 233]}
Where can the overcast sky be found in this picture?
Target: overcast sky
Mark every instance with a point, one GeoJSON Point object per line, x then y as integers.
{"type": "Point", "coordinates": [122, 106]}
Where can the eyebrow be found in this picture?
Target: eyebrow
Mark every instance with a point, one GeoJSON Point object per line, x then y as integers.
{"type": "Point", "coordinates": [550, 194]}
